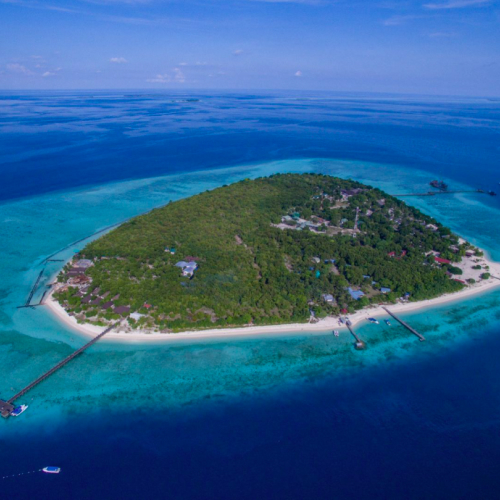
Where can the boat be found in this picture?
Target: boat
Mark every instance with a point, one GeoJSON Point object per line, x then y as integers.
{"type": "Point", "coordinates": [51, 470]}
{"type": "Point", "coordinates": [341, 321]}
{"type": "Point", "coordinates": [336, 333]}
{"type": "Point", "coordinates": [373, 320]}
{"type": "Point", "coordinates": [439, 185]}
{"type": "Point", "coordinates": [387, 322]}
{"type": "Point", "coordinates": [18, 410]}
{"type": "Point", "coordinates": [492, 193]}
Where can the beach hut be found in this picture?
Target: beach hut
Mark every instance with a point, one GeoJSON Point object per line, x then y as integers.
{"type": "Point", "coordinates": [355, 294]}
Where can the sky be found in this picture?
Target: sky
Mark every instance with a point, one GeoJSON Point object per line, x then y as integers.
{"type": "Point", "coordinates": [434, 47]}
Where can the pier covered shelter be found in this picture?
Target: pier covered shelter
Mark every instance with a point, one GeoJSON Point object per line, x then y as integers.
{"type": "Point", "coordinates": [5, 408]}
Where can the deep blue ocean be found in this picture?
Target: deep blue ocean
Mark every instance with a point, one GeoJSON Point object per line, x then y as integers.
{"type": "Point", "coordinates": [292, 417]}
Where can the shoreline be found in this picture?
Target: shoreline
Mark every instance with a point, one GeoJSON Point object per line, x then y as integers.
{"type": "Point", "coordinates": [329, 323]}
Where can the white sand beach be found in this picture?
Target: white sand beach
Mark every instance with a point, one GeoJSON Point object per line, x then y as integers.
{"type": "Point", "coordinates": [326, 324]}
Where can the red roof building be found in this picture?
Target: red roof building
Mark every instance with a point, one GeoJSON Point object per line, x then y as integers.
{"type": "Point", "coordinates": [442, 261]}
{"type": "Point", "coordinates": [147, 306]}
{"type": "Point", "coordinates": [391, 254]}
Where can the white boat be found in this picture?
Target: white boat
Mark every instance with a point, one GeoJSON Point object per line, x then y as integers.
{"type": "Point", "coordinates": [51, 470]}
{"type": "Point", "coordinates": [387, 322]}
{"type": "Point", "coordinates": [18, 410]}
{"type": "Point", "coordinates": [336, 333]}
{"type": "Point", "coordinates": [373, 320]}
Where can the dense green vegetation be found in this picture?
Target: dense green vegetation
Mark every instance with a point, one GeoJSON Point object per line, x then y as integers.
{"type": "Point", "coordinates": [252, 272]}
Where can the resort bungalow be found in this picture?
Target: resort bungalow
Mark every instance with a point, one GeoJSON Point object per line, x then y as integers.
{"type": "Point", "coordinates": [83, 263]}
{"type": "Point", "coordinates": [385, 290]}
{"type": "Point", "coordinates": [121, 310]}
{"type": "Point", "coordinates": [87, 299]}
{"type": "Point", "coordinates": [439, 260]}
{"type": "Point", "coordinates": [328, 298]}
{"type": "Point", "coordinates": [188, 268]}
{"type": "Point", "coordinates": [355, 294]}
{"type": "Point", "coordinates": [316, 260]}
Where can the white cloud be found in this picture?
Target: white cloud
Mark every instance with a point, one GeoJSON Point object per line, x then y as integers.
{"type": "Point", "coordinates": [237, 52]}
{"type": "Point", "coordinates": [298, 73]}
{"type": "Point", "coordinates": [118, 60]}
{"type": "Point", "coordinates": [177, 76]}
{"type": "Point", "coordinates": [456, 4]}
{"type": "Point", "coordinates": [48, 73]}
{"type": "Point", "coordinates": [160, 79]}
{"type": "Point", "coordinates": [19, 68]}
{"type": "Point", "coordinates": [197, 63]}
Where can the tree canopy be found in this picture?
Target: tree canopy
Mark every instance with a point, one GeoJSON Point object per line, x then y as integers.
{"type": "Point", "coordinates": [267, 250]}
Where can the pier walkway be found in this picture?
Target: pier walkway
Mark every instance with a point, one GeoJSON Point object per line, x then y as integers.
{"type": "Point", "coordinates": [405, 324]}
{"type": "Point", "coordinates": [434, 193]}
{"type": "Point", "coordinates": [50, 258]}
{"type": "Point", "coordinates": [32, 292]}
{"type": "Point", "coordinates": [6, 405]}
{"type": "Point", "coordinates": [359, 343]}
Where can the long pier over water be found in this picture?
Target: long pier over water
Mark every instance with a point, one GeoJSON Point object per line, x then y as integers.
{"type": "Point", "coordinates": [434, 193]}
{"type": "Point", "coordinates": [6, 407]}
{"type": "Point", "coordinates": [405, 324]}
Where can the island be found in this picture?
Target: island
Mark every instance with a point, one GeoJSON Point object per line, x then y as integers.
{"type": "Point", "coordinates": [289, 251]}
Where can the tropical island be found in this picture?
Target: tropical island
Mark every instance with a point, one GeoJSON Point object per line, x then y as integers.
{"type": "Point", "coordinates": [280, 250]}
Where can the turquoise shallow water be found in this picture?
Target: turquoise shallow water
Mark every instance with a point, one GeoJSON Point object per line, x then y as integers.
{"type": "Point", "coordinates": [175, 376]}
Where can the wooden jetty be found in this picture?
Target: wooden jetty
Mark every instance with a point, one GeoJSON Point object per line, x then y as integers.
{"type": "Point", "coordinates": [33, 290]}
{"type": "Point", "coordinates": [359, 344]}
{"type": "Point", "coordinates": [50, 258]}
{"type": "Point", "coordinates": [6, 407]}
{"type": "Point", "coordinates": [434, 193]}
{"type": "Point", "coordinates": [405, 324]}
